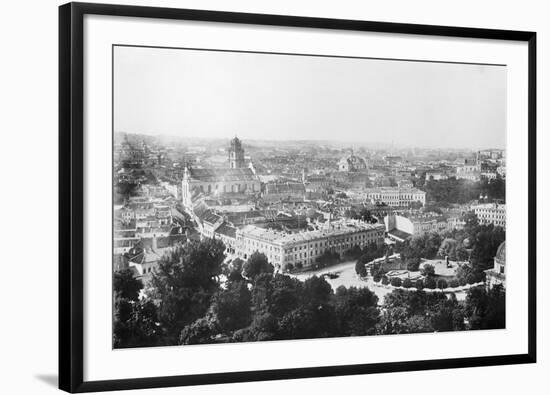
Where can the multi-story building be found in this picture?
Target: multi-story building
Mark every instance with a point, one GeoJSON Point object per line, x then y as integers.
{"type": "Point", "coordinates": [303, 248]}
{"type": "Point", "coordinates": [490, 213]}
{"type": "Point", "coordinates": [395, 196]}
{"type": "Point", "coordinates": [400, 227]}
{"type": "Point", "coordinates": [282, 190]}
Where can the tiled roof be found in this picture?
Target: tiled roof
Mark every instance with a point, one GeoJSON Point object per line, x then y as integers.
{"type": "Point", "coordinates": [227, 230]}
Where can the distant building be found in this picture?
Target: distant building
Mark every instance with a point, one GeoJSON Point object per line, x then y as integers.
{"type": "Point", "coordinates": [401, 227]}
{"type": "Point", "coordinates": [236, 154]}
{"type": "Point", "coordinates": [490, 213]}
{"type": "Point", "coordinates": [497, 274]}
{"type": "Point", "coordinates": [395, 196]}
{"type": "Point", "coordinates": [237, 179]}
{"type": "Point", "coordinates": [352, 163]}
{"type": "Point", "coordinates": [470, 169]}
{"type": "Point", "coordinates": [283, 190]}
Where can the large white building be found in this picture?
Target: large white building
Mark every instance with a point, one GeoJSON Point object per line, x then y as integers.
{"type": "Point", "coordinates": [396, 196]}
{"type": "Point", "coordinates": [401, 227]}
{"type": "Point", "coordinates": [303, 248]}
{"type": "Point", "coordinates": [490, 213]}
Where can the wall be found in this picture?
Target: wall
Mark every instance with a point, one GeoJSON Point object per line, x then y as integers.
{"type": "Point", "coordinates": [29, 141]}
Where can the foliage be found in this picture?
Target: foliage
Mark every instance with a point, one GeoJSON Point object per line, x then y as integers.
{"type": "Point", "coordinates": [327, 258]}
{"type": "Point", "coordinates": [184, 283]}
{"type": "Point", "coordinates": [462, 191]}
{"type": "Point", "coordinates": [423, 246]}
{"type": "Point", "coordinates": [428, 270]}
{"type": "Point", "coordinates": [135, 324]}
{"type": "Point", "coordinates": [199, 332]}
{"type": "Point", "coordinates": [407, 283]}
{"type": "Point", "coordinates": [486, 309]}
{"type": "Point", "coordinates": [126, 286]}
{"type": "Point", "coordinates": [360, 269]}
{"type": "Point", "coordinates": [231, 307]}
{"type": "Point", "coordinates": [429, 283]}
{"type": "Point", "coordinates": [442, 283]}
{"type": "Point", "coordinates": [396, 282]}
{"type": "Point", "coordinates": [257, 264]}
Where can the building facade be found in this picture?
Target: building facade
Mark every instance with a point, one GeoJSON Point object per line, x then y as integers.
{"type": "Point", "coordinates": [490, 213]}
{"type": "Point", "coordinates": [303, 248]}
{"type": "Point", "coordinates": [236, 154]}
{"type": "Point", "coordinates": [395, 196]}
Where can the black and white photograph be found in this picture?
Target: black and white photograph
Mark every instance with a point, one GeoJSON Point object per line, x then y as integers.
{"type": "Point", "coordinates": [273, 196]}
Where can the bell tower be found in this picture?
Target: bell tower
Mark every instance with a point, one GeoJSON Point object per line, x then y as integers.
{"type": "Point", "coordinates": [236, 154]}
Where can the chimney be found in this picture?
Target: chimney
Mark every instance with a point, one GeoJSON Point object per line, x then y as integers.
{"type": "Point", "coordinates": [154, 244]}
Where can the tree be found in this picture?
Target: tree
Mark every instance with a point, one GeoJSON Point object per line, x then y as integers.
{"type": "Point", "coordinates": [448, 249]}
{"type": "Point", "coordinates": [442, 283]}
{"type": "Point", "coordinates": [385, 280]}
{"type": "Point", "coordinates": [257, 264]}
{"type": "Point", "coordinates": [316, 291]}
{"type": "Point", "coordinates": [419, 284]}
{"type": "Point", "coordinates": [126, 286]}
{"type": "Point", "coordinates": [356, 311]}
{"type": "Point", "coordinates": [407, 283]}
{"type": "Point", "coordinates": [428, 270]}
{"type": "Point", "coordinates": [234, 270]}
{"type": "Point", "coordinates": [135, 324]}
{"type": "Point", "coordinates": [199, 332]}
{"type": "Point", "coordinates": [486, 309]}
{"type": "Point", "coordinates": [231, 307]}
{"type": "Point", "coordinates": [327, 258]}
{"type": "Point", "coordinates": [429, 282]}
{"type": "Point", "coordinates": [184, 283]}
{"type": "Point", "coordinates": [360, 269]}
{"type": "Point", "coordinates": [396, 281]}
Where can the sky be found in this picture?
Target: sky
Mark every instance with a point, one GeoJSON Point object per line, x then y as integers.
{"type": "Point", "coordinates": [193, 93]}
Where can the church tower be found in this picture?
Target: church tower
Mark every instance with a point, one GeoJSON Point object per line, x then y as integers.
{"type": "Point", "coordinates": [236, 154]}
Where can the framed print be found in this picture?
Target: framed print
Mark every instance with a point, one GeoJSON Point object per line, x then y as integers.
{"type": "Point", "coordinates": [239, 188]}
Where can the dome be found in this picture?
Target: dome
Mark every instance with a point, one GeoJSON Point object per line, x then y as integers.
{"type": "Point", "coordinates": [500, 256]}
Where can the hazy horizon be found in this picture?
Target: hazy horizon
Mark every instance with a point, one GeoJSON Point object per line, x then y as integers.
{"type": "Point", "coordinates": [214, 94]}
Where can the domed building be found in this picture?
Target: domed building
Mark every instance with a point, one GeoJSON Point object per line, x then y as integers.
{"type": "Point", "coordinates": [497, 275]}
{"type": "Point", "coordinates": [352, 163]}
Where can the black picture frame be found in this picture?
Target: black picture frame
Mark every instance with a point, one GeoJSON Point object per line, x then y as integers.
{"type": "Point", "coordinates": [71, 197]}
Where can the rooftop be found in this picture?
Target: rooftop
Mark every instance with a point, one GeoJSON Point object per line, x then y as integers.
{"type": "Point", "coordinates": [278, 237]}
{"type": "Point", "coordinates": [222, 174]}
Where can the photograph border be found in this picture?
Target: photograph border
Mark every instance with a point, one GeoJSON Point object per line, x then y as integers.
{"type": "Point", "coordinates": [71, 195]}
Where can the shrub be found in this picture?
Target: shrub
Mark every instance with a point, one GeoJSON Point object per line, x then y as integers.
{"type": "Point", "coordinates": [430, 283]}
{"type": "Point", "coordinates": [428, 270]}
{"type": "Point", "coordinates": [454, 283]}
{"type": "Point", "coordinates": [407, 283]}
{"type": "Point", "coordinates": [290, 267]}
{"type": "Point", "coordinates": [377, 277]}
{"type": "Point", "coordinates": [419, 284]}
{"type": "Point", "coordinates": [396, 282]}
{"type": "Point", "coordinates": [442, 284]}
{"type": "Point", "coordinates": [299, 265]}
{"type": "Point", "coordinates": [385, 280]}
{"type": "Point", "coordinates": [462, 282]}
